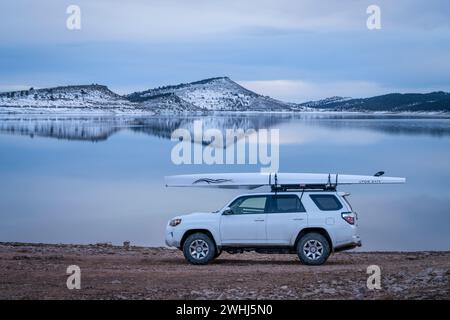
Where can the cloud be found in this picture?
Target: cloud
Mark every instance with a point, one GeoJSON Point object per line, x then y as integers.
{"type": "Point", "coordinates": [302, 91]}
{"type": "Point", "coordinates": [167, 19]}
{"type": "Point", "coordinates": [316, 48]}
{"type": "Point", "coordinates": [160, 20]}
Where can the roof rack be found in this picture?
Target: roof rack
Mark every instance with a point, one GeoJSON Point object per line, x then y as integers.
{"type": "Point", "coordinates": [289, 187]}
{"type": "Point", "coordinates": [329, 186]}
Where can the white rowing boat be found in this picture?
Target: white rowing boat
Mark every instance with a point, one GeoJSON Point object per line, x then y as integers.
{"type": "Point", "coordinates": [276, 180]}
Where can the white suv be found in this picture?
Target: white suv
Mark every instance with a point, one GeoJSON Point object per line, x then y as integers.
{"type": "Point", "coordinates": [311, 224]}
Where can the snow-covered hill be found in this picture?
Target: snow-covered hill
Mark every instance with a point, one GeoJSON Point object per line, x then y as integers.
{"type": "Point", "coordinates": [86, 97]}
{"type": "Point", "coordinates": [167, 103]}
{"type": "Point", "coordinates": [324, 102]}
{"type": "Point", "coordinates": [214, 94]}
{"type": "Point", "coordinates": [433, 102]}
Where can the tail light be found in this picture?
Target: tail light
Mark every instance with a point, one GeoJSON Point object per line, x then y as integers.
{"type": "Point", "coordinates": [349, 217]}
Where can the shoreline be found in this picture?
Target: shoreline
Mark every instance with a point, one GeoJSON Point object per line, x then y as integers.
{"type": "Point", "coordinates": [79, 112]}
{"type": "Point", "coordinates": [38, 271]}
{"type": "Point", "coordinates": [149, 247]}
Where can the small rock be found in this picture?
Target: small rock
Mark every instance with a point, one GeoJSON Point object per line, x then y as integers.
{"type": "Point", "coordinates": [329, 291]}
{"type": "Point", "coordinates": [103, 244]}
{"type": "Point", "coordinates": [116, 282]}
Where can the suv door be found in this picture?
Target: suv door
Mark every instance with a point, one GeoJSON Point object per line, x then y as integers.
{"type": "Point", "coordinates": [285, 218]}
{"type": "Point", "coordinates": [247, 222]}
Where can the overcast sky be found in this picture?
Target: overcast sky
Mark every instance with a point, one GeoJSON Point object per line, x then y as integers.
{"type": "Point", "coordinates": [289, 49]}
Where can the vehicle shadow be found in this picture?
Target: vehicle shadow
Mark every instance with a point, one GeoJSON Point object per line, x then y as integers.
{"type": "Point", "coordinates": [255, 262]}
{"type": "Point", "coordinates": [272, 262]}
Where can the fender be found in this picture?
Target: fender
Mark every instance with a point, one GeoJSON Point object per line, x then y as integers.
{"type": "Point", "coordinates": [199, 227]}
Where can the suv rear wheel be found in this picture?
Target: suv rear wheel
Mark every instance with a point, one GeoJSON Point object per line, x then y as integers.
{"type": "Point", "coordinates": [199, 248]}
{"type": "Point", "coordinates": [313, 249]}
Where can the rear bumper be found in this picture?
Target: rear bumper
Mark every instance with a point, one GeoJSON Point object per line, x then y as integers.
{"type": "Point", "coordinates": [356, 242]}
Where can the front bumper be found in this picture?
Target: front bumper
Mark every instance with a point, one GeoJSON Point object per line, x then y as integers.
{"type": "Point", "coordinates": [172, 237]}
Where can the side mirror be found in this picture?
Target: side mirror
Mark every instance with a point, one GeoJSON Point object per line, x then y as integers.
{"type": "Point", "coordinates": [227, 211]}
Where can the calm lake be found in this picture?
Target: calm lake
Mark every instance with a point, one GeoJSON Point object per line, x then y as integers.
{"type": "Point", "coordinates": [88, 179]}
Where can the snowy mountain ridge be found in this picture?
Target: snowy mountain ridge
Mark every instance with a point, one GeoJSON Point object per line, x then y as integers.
{"type": "Point", "coordinates": [208, 95]}
{"type": "Point", "coordinates": [80, 96]}
{"type": "Point", "coordinates": [213, 94]}
{"type": "Point", "coordinates": [324, 102]}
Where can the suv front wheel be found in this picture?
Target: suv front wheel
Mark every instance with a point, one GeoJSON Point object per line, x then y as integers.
{"type": "Point", "coordinates": [199, 248]}
{"type": "Point", "coordinates": [313, 249]}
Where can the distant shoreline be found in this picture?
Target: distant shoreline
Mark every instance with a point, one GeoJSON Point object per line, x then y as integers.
{"type": "Point", "coordinates": [32, 111]}
{"type": "Point", "coordinates": [142, 247]}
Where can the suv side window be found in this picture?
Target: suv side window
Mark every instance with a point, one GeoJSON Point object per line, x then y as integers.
{"type": "Point", "coordinates": [286, 203]}
{"type": "Point", "coordinates": [326, 202]}
{"type": "Point", "coordinates": [249, 205]}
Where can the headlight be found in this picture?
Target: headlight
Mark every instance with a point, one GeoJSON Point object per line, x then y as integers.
{"type": "Point", "coordinates": [174, 222]}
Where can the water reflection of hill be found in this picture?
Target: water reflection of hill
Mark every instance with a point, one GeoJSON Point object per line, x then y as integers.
{"type": "Point", "coordinates": [99, 128]}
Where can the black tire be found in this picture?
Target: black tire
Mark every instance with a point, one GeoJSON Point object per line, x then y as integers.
{"type": "Point", "coordinates": [313, 249]}
{"type": "Point", "coordinates": [199, 248]}
{"type": "Point", "coordinates": [218, 253]}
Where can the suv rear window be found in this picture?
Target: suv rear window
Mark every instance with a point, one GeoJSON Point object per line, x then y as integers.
{"type": "Point", "coordinates": [285, 204]}
{"type": "Point", "coordinates": [326, 202]}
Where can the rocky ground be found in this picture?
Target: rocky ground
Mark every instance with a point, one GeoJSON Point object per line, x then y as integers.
{"type": "Point", "coordinates": [38, 271]}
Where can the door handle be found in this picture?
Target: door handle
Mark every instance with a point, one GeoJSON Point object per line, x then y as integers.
{"type": "Point", "coordinates": [297, 219]}
{"type": "Point", "coordinates": [259, 220]}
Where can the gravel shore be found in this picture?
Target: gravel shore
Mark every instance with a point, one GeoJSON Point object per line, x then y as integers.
{"type": "Point", "coordinates": [38, 271]}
